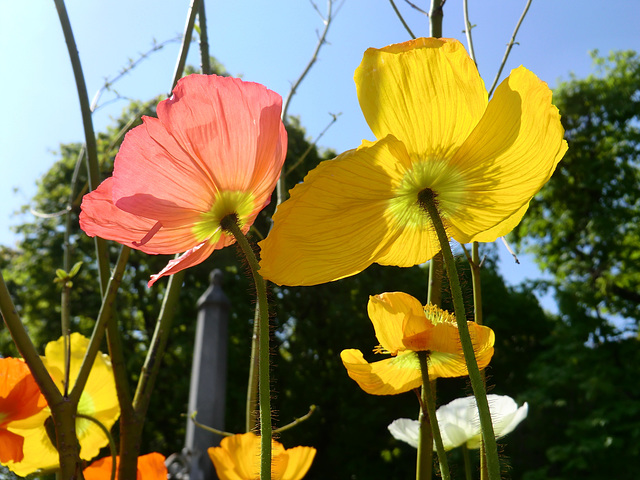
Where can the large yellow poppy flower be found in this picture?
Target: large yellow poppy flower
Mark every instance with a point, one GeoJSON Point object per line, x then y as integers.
{"type": "Point", "coordinates": [403, 327]}
{"type": "Point", "coordinates": [238, 458]}
{"type": "Point", "coordinates": [427, 106]}
{"type": "Point", "coordinates": [98, 400]}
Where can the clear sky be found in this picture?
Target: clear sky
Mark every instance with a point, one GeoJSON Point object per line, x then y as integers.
{"type": "Point", "coordinates": [266, 42]}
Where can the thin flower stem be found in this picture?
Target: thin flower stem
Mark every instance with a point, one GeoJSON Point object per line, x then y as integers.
{"type": "Point", "coordinates": [205, 63]}
{"type": "Point", "coordinates": [467, 30]}
{"type": "Point", "coordinates": [426, 199]}
{"type": "Point", "coordinates": [230, 224]}
{"type": "Point", "coordinates": [252, 387]}
{"type": "Point", "coordinates": [474, 262]}
{"type": "Point", "coordinates": [104, 317]}
{"type": "Point", "coordinates": [222, 433]}
{"type": "Point", "coordinates": [281, 185]}
{"type": "Point", "coordinates": [25, 346]}
{"type": "Point", "coordinates": [423, 357]}
{"type": "Point", "coordinates": [424, 460]}
{"type": "Point", "coordinates": [467, 462]}
{"type": "Point", "coordinates": [509, 47]}
{"type": "Point", "coordinates": [112, 445]}
{"type": "Point", "coordinates": [401, 18]}
{"type": "Point", "coordinates": [89, 134]}
{"type": "Point", "coordinates": [297, 421]}
{"type": "Point", "coordinates": [186, 41]}
{"type": "Point", "coordinates": [435, 18]}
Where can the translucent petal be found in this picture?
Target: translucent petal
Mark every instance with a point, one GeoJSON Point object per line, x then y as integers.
{"type": "Point", "coordinates": [386, 377]}
{"type": "Point", "coordinates": [427, 92]}
{"type": "Point", "coordinates": [388, 312]}
{"type": "Point", "coordinates": [508, 157]}
{"type": "Point", "coordinates": [335, 223]}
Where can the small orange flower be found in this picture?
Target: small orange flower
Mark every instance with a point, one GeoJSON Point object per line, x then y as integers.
{"type": "Point", "coordinates": [403, 327]}
{"type": "Point", "coordinates": [150, 467]}
{"type": "Point", "coordinates": [238, 458]}
{"type": "Point", "coordinates": [20, 400]}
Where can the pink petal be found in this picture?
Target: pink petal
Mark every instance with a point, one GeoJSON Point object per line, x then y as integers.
{"type": "Point", "coordinates": [191, 257]}
{"type": "Point", "coordinates": [100, 217]}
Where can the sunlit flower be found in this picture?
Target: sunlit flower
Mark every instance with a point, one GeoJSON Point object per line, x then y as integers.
{"type": "Point", "coordinates": [20, 403]}
{"type": "Point", "coordinates": [460, 424]}
{"type": "Point", "coordinates": [403, 327]}
{"type": "Point", "coordinates": [436, 131]}
{"type": "Point", "coordinates": [98, 400]}
{"type": "Point", "coordinates": [238, 458]}
{"type": "Point", "coordinates": [216, 149]}
{"type": "Point", "coordinates": [150, 467]}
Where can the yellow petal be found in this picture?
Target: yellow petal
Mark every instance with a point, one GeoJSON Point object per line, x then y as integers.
{"type": "Point", "coordinates": [299, 462]}
{"type": "Point", "coordinates": [335, 223]}
{"type": "Point", "coordinates": [427, 92]}
{"type": "Point", "coordinates": [388, 312]}
{"type": "Point", "coordinates": [387, 377]}
{"type": "Point", "coordinates": [508, 157]}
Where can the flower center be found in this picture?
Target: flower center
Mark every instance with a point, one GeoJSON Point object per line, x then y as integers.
{"type": "Point", "coordinates": [436, 178]}
{"type": "Point", "coordinates": [238, 203]}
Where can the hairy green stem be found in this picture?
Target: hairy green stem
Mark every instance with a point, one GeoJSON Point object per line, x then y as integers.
{"type": "Point", "coordinates": [423, 357]}
{"type": "Point", "coordinates": [467, 462]}
{"type": "Point", "coordinates": [230, 224]}
{"type": "Point", "coordinates": [252, 387]}
{"type": "Point", "coordinates": [424, 458]}
{"type": "Point", "coordinates": [427, 201]}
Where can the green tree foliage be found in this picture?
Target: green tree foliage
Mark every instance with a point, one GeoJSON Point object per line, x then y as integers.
{"type": "Point", "coordinates": [584, 226]}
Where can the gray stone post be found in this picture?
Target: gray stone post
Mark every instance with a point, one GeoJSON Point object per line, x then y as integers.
{"type": "Point", "coordinates": [208, 377]}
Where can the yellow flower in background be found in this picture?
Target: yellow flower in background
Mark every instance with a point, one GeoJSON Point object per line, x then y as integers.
{"type": "Point", "coordinates": [98, 400]}
{"type": "Point", "coordinates": [238, 458]}
{"type": "Point", "coordinates": [403, 327]}
{"type": "Point", "coordinates": [427, 106]}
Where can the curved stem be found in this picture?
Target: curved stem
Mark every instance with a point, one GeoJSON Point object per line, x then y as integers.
{"type": "Point", "coordinates": [230, 224]}
{"type": "Point", "coordinates": [222, 433]}
{"type": "Point", "coordinates": [509, 47]}
{"type": "Point", "coordinates": [296, 421]}
{"type": "Point", "coordinates": [433, 419]}
{"type": "Point", "coordinates": [112, 444]}
{"type": "Point", "coordinates": [427, 202]}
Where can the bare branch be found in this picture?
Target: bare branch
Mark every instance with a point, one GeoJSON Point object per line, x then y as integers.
{"type": "Point", "coordinates": [404, 24]}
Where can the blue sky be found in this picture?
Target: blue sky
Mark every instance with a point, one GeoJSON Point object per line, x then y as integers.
{"type": "Point", "coordinates": [266, 42]}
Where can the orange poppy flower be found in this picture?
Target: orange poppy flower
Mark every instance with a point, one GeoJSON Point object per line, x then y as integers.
{"type": "Point", "coordinates": [216, 149]}
{"type": "Point", "coordinates": [150, 467]}
{"type": "Point", "coordinates": [238, 458]}
{"type": "Point", "coordinates": [403, 327]}
{"type": "Point", "coordinates": [20, 400]}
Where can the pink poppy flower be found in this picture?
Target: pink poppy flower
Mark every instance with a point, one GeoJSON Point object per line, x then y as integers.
{"type": "Point", "coordinates": [216, 149]}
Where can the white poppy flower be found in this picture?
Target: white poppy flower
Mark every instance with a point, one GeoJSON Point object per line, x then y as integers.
{"type": "Point", "coordinates": [460, 424]}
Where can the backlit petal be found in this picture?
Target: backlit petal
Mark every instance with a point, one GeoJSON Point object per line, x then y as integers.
{"type": "Point", "coordinates": [100, 217]}
{"type": "Point", "coordinates": [427, 92]}
{"type": "Point", "coordinates": [191, 257]}
{"type": "Point", "coordinates": [405, 430]}
{"type": "Point", "coordinates": [386, 377]}
{"type": "Point", "coordinates": [508, 157]}
{"type": "Point", "coordinates": [336, 221]}
{"type": "Point", "coordinates": [10, 446]}
{"type": "Point", "coordinates": [388, 312]}
{"type": "Point", "coordinates": [299, 462]}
